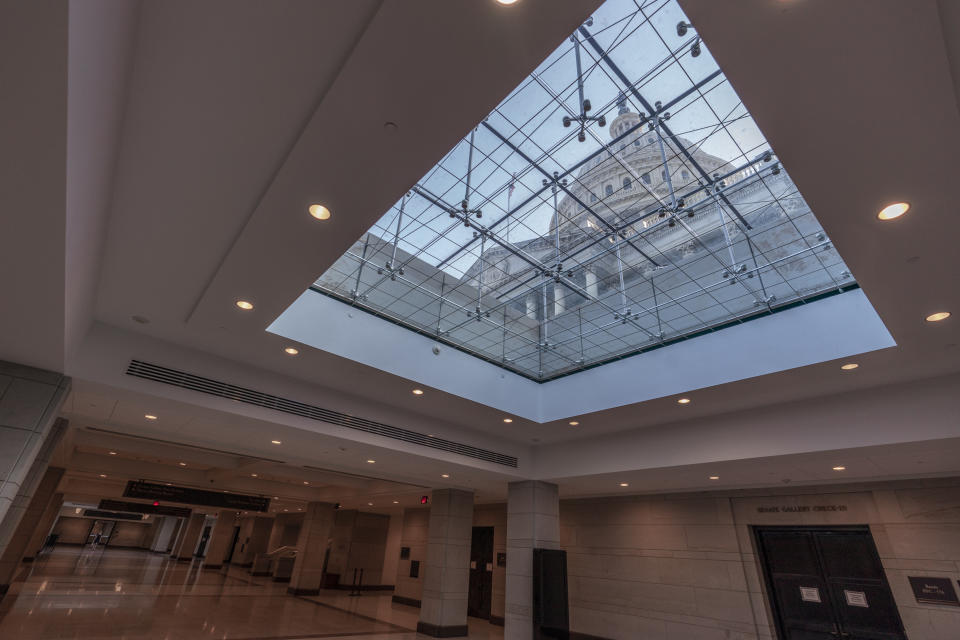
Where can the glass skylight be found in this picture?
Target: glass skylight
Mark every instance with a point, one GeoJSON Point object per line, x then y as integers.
{"type": "Point", "coordinates": [619, 199]}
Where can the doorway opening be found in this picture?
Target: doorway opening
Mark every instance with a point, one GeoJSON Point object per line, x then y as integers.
{"type": "Point", "coordinates": [480, 595]}
{"type": "Point", "coordinates": [827, 583]}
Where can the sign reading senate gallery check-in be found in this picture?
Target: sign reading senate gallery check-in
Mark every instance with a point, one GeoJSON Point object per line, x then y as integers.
{"type": "Point", "coordinates": [185, 495]}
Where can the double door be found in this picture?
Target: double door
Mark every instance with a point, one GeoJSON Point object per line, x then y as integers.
{"type": "Point", "coordinates": [827, 584]}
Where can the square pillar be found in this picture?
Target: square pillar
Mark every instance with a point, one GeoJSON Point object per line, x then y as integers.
{"type": "Point", "coordinates": [446, 580]}
{"type": "Point", "coordinates": [312, 545]}
{"type": "Point", "coordinates": [42, 530]}
{"type": "Point", "coordinates": [17, 544]}
{"type": "Point", "coordinates": [533, 521]}
{"type": "Point", "coordinates": [220, 539]}
{"type": "Point", "coordinates": [189, 538]}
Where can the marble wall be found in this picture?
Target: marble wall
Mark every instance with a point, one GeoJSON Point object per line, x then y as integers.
{"type": "Point", "coordinates": [72, 530]}
{"type": "Point", "coordinates": [495, 515]}
{"type": "Point", "coordinates": [413, 535]}
{"type": "Point", "coordinates": [672, 567]}
{"type": "Point", "coordinates": [129, 534]}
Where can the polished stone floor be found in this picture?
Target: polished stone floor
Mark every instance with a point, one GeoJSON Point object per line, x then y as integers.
{"type": "Point", "coordinates": [117, 594]}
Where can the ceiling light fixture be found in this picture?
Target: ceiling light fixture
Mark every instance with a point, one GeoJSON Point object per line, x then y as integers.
{"type": "Point", "coordinates": [506, 2]}
{"type": "Point", "coordinates": [683, 401]}
{"type": "Point", "coordinates": [839, 468]}
{"type": "Point", "coordinates": [938, 316]}
{"type": "Point", "coordinates": [253, 475]}
{"type": "Point", "coordinates": [292, 351]}
{"type": "Point", "coordinates": [894, 210]}
{"type": "Point", "coordinates": [305, 482]}
{"type": "Point", "coordinates": [113, 453]}
{"type": "Point", "coordinates": [508, 420]}
{"type": "Point", "coordinates": [276, 442]}
{"type": "Point", "coordinates": [319, 211]}
{"type": "Point", "coordinates": [444, 475]}
{"type": "Point", "coordinates": [417, 392]}
{"type": "Point", "coordinates": [396, 502]}
{"type": "Point", "coordinates": [624, 484]}
{"type": "Point", "coordinates": [183, 464]}
{"type": "Point", "coordinates": [850, 366]}
{"type": "Point", "coordinates": [150, 416]}
{"type": "Point", "coordinates": [103, 475]}
{"type": "Point", "coordinates": [245, 305]}
{"type": "Point", "coordinates": [573, 423]}
{"type": "Point", "coordinates": [369, 504]}
{"type": "Point", "coordinates": [714, 477]}
{"type": "Point", "coordinates": [371, 461]}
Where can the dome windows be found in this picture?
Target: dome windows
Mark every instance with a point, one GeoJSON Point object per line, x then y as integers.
{"type": "Point", "coordinates": [608, 190]}
{"type": "Point", "coordinates": [627, 183]}
{"type": "Point", "coordinates": [646, 178]}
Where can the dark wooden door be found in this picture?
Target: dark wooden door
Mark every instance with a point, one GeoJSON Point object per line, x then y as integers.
{"type": "Point", "coordinates": [828, 584]}
{"type": "Point", "coordinates": [481, 573]}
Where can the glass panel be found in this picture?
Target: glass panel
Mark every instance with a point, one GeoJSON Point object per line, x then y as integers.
{"type": "Point", "coordinates": [561, 233]}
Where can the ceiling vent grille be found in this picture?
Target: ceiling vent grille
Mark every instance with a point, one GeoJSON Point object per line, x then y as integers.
{"type": "Point", "coordinates": [193, 382]}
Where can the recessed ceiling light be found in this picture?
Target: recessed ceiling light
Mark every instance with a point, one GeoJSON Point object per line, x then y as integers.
{"type": "Point", "coordinates": [508, 420]}
{"type": "Point", "coordinates": [894, 210]}
{"type": "Point", "coordinates": [683, 401]}
{"type": "Point", "coordinates": [292, 351]}
{"type": "Point", "coordinates": [319, 211]}
{"type": "Point", "coordinates": [150, 416]}
{"type": "Point", "coordinates": [276, 497]}
{"type": "Point", "coordinates": [507, 2]}
{"type": "Point", "coordinates": [305, 482]}
{"type": "Point", "coordinates": [113, 453]}
{"type": "Point", "coordinates": [371, 461]}
{"type": "Point", "coordinates": [624, 484]}
{"type": "Point", "coordinates": [276, 442]}
{"type": "Point", "coordinates": [286, 509]}
{"type": "Point", "coordinates": [714, 477]}
{"type": "Point", "coordinates": [369, 504]}
{"type": "Point", "coordinates": [573, 423]}
{"type": "Point", "coordinates": [245, 305]}
{"type": "Point", "coordinates": [103, 475]}
{"type": "Point", "coordinates": [396, 502]}
{"type": "Point", "coordinates": [417, 392]}
{"type": "Point", "coordinates": [850, 366]}
{"type": "Point", "coordinates": [299, 509]}
{"type": "Point", "coordinates": [839, 468]}
{"type": "Point", "coordinates": [938, 316]}
{"type": "Point", "coordinates": [253, 475]}
{"type": "Point", "coordinates": [183, 464]}
{"type": "Point", "coordinates": [169, 484]}
{"type": "Point", "coordinates": [444, 475]}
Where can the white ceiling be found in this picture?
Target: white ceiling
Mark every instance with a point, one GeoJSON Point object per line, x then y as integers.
{"type": "Point", "coordinates": [236, 115]}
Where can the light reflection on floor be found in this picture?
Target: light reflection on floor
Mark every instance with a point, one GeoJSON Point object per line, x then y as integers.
{"type": "Point", "coordinates": [77, 592]}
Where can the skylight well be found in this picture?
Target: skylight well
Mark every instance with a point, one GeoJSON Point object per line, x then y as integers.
{"type": "Point", "coordinates": [619, 199]}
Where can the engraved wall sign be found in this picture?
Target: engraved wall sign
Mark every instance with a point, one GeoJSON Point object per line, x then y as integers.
{"type": "Point", "coordinates": [934, 591]}
{"type": "Point", "coordinates": [855, 598]}
{"type": "Point", "coordinates": [810, 594]}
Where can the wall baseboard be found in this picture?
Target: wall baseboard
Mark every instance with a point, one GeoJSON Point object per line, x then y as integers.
{"type": "Point", "coordinates": [412, 602]}
{"type": "Point", "coordinates": [436, 631]}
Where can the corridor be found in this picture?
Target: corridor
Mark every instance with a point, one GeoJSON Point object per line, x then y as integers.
{"type": "Point", "coordinates": [78, 592]}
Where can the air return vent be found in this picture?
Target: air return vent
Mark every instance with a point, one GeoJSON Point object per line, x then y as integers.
{"type": "Point", "coordinates": [183, 380]}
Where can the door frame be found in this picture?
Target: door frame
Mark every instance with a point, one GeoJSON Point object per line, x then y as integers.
{"type": "Point", "coordinates": [755, 531]}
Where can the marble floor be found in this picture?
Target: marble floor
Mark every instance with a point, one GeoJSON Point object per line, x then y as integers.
{"type": "Point", "coordinates": [110, 594]}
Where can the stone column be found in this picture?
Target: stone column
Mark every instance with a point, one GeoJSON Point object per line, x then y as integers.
{"type": "Point", "coordinates": [17, 544]}
{"type": "Point", "coordinates": [220, 539]}
{"type": "Point", "coordinates": [29, 432]}
{"type": "Point", "coordinates": [532, 522]}
{"type": "Point", "coordinates": [446, 580]}
{"type": "Point", "coordinates": [559, 302]}
{"type": "Point", "coordinates": [183, 551]}
{"type": "Point", "coordinates": [50, 515]}
{"type": "Point", "coordinates": [312, 548]}
{"type": "Point", "coordinates": [531, 302]}
{"type": "Point", "coordinates": [591, 281]}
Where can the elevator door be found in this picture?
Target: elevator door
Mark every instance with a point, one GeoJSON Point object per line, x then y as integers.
{"type": "Point", "coordinates": [828, 583]}
{"type": "Point", "coordinates": [481, 573]}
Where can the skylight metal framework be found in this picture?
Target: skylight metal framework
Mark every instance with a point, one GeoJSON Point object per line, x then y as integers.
{"type": "Point", "coordinates": [546, 242]}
